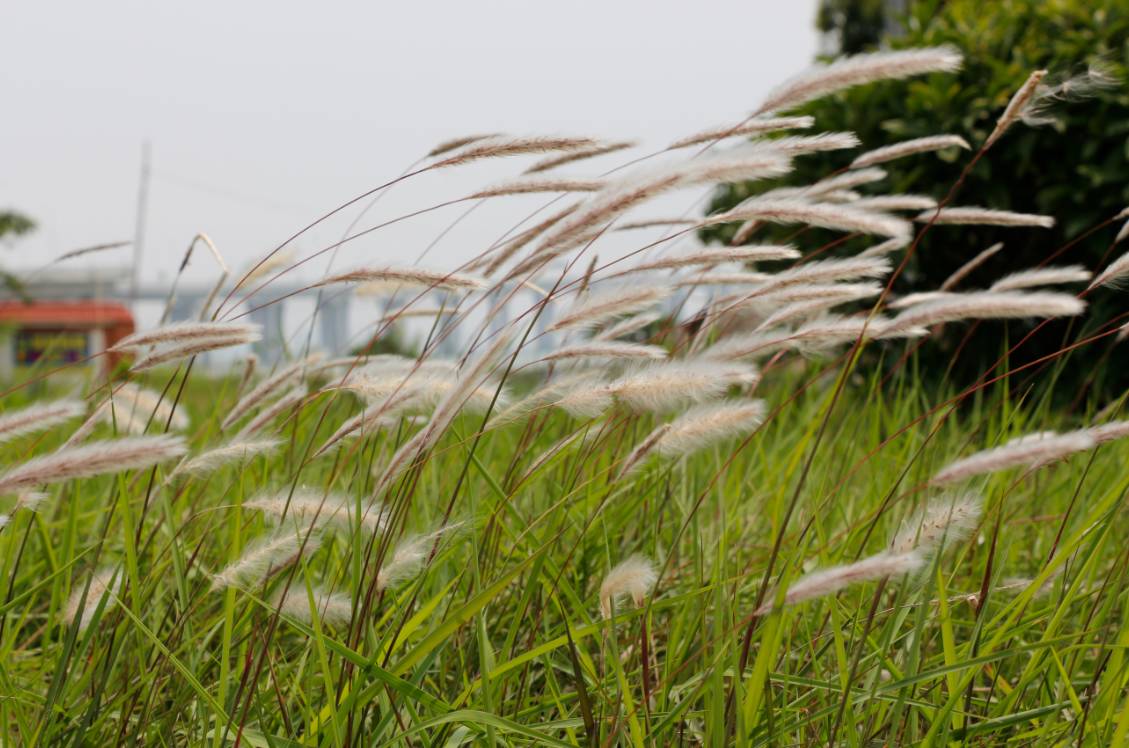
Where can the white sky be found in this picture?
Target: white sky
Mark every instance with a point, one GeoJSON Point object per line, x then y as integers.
{"type": "Point", "coordinates": [263, 115]}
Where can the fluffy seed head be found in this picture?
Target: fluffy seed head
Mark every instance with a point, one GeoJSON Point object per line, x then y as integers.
{"type": "Point", "coordinates": [909, 148]}
{"type": "Point", "coordinates": [105, 583]}
{"type": "Point", "coordinates": [264, 557]}
{"type": "Point", "coordinates": [1033, 451]}
{"type": "Point", "coordinates": [829, 581]}
{"type": "Point", "coordinates": [989, 305]}
{"type": "Point", "coordinates": [633, 577]}
{"type": "Point", "coordinates": [676, 384]}
{"type": "Point", "coordinates": [599, 307]}
{"type": "Point", "coordinates": [706, 425]}
{"type": "Point", "coordinates": [847, 72]}
{"type": "Point", "coordinates": [95, 458]}
{"type": "Point", "coordinates": [37, 418]}
{"type": "Point", "coordinates": [334, 608]}
{"type": "Point", "coordinates": [961, 216]}
{"type": "Point", "coordinates": [1114, 273]}
{"type": "Point", "coordinates": [1048, 276]}
{"type": "Point", "coordinates": [184, 332]}
{"type": "Point", "coordinates": [824, 215]}
{"type": "Point", "coordinates": [948, 519]}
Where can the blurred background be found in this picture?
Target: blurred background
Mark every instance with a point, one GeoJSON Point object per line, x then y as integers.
{"type": "Point", "coordinates": [145, 124]}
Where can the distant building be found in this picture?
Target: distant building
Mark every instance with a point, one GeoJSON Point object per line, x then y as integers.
{"type": "Point", "coordinates": [61, 318]}
{"type": "Point", "coordinates": [49, 334]}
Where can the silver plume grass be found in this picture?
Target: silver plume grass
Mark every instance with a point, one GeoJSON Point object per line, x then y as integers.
{"type": "Point", "coordinates": [705, 425]}
{"type": "Point", "coordinates": [105, 585]}
{"type": "Point", "coordinates": [948, 519]}
{"type": "Point", "coordinates": [1035, 277]}
{"type": "Point", "coordinates": [265, 556]}
{"type": "Point", "coordinates": [601, 306]}
{"type": "Point", "coordinates": [909, 148]}
{"type": "Point", "coordinates": [94, 458]}
{"type": "Point", "coordinates": [334, 608]}
{"type": "Point", "coordinates": [1031, 452]}
{"type": "Point", "coordinates": [36, 418]}
{"type": "Point", "coordinates": [633, 578]}
{"type": "Point", "coordinates": [184, 332]}
{"type": "Point", "coordinates": [831, 580]}
{"type": "Point", "coordinates": [847, 72]}
{"type": "Point", "coordinates": [234, 453]}
{"type": "Point", "coordinates": [972, 216]}
{"type": "Point", "coordinates": [753, 126]}
{"type": "Point", "coordinates": [1114, 273]}
{"type": "Point", "coordinates": [675, 384]}
{"type": "Point", "coordinates": [989, 305]}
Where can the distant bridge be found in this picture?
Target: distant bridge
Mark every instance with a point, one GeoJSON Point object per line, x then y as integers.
{"type": "Point", "coordinates": [333, 311]}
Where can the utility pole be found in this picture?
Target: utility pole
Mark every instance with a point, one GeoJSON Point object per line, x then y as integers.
{"type": "Point", "coordinates": [139, 226]}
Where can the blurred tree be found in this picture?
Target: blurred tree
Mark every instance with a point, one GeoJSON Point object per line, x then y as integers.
{"type": "Point", "coordinates": [1075, 169]}
{"type": "Point", "coordinates": [14, 224]}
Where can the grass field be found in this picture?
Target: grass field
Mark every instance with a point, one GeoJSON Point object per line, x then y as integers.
{"type": "Point", "coordinates": [811, 557]}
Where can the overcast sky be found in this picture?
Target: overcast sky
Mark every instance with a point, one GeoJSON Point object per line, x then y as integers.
{"type": "Point", "coordinates": [263, 115]}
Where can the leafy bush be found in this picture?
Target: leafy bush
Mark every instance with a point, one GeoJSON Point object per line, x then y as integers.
{"type": "Point", "coordinates": [1074, 169]}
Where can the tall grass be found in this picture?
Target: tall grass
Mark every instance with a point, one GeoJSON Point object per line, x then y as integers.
{"type": "Point", "coordinates": [772, 534]}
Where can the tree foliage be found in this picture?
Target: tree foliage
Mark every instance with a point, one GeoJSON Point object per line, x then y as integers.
{"type": "Point", "coordinates": [1075, 169]}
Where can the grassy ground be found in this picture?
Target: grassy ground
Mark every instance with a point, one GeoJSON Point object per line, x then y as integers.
{"type": "Point", "coordinates": [1018, 632]}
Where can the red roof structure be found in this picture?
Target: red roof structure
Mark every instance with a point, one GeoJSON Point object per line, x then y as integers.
{"type": "Point", "coordinates": [70, 314]}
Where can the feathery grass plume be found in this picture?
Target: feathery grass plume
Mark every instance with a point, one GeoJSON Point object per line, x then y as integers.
{"type": "Point", "coordinates": [496, 147]}
{"type": "Point", "coordinates": [37, 418]}
{"type": "Point", "coordinates": [748, 127]}
{"type": "Point", "coordinates": [913, 299]}
{"type": "Point", "coordinates": [447, 146]}
{"type": "Point", "coordinates": [675, 384]}
{"type": "Point", "coordinates": [276, 261]}
{"type": "Point", "coordinates": [31, 500]}
{"type": "Point", "coordinates": [528, 185]}
{"type": "Point", "coordinates": [650, 223]}
{"type": "Point", "coordinates": [580, 154]}
{"type": "Point", "coordinates": [635, 457]}
{"type": "Point", "coordinates": [368, 421]}
{"type": "Point", "coordinates": [191, 348]}
{"type": "Point", "coordinates": [1015, 108]}
{"type": "Point", "coordinates": [823, 215]}
{"type": "Point", "coordinates": [735, 165]}
{"type": "Point", "coordinates": [95, 458]}
{"type": "Point", "coordinates": [334, 608]}
{"type": "Point", "coordinates": [847, 72]}
{"type": "Point", "coordinates": [598, 307]}
{"type": "Point", "coordinates": [606, 350]}
{"type": "Point", "coordinates": [717, 255]}
{"type": "Point", "coordinates": [471, 376]}
{"type": "Point", "coordinates": [1036, 112]}
{"type": "Point", "coordinates": [265, 556]}
{"type": "Point", "coordinates": [1113, 274]}
{"type": "Point", "coordinates": [797, 145]}
{"type": "Point", "coordinates": [828, 271]}
{"type": "Point", "coordinates": [1033, 451]}
{"type": "Point", "coordinates": [499, 255]}
{"type": "Point", "coordinates": [831, 580]}
{"type": "Point", "coordinates": [1108, 432]}
{"type": "Point", "coordinates": [406, 276]}
{"type": "Point", "coordinates": [183, 332]}
{"type": "Point", "coordinates": [989, 305]}
{"type": "Point", "coordinates": [633, 577]}
{"type": "Point", "coordinates": [799, 310]}
{"type": "Point", "coordinates": [585, 401]}
{"type": "Point", "coordinates": [1124, 232]}
{"type": "Point", "coordinates": [790, 294]}
{"type": "Point", "coordinates": [836, 183]}
{"type": "Point", "coordinates": [895, 202]}
{"type": "Point", "coordinates": [884, 248]}
{"type": "Point", "coordinates": [131, 407]}
{"type": "Point", "coordinates": [409, 557]}
{"type": "Point", "coordinates": [723, 279]}
{"type": "Point", "coordinates": [706, 425]}
{"type": "Point", "coordinates": [315, 508]}
{"type": "Point", "coordinates": [969, 216]}
{"type": "Point", "coordinates": [266, 388]}
{"type": "Point", "coordinates": [948, 519]}
{"type": "Point", "coordinates": [1035, 277]}
{"type": "Point", "coordinates": [809, 338]}
{"type": "Point", "coordinates": [250, 365]}
{"type": "Point", "coordinates": [104, 584]}
{"type": "Point", "coordinates": [606, 205]}
{"type": "Point", "coordinates": [627, 326]}
{"type": "Point", "coordinates": [964, 270]}
{"type": "Point", "coordinates": [290, 401]}
{"type": "Point", "coordinates": [216, 458]}
{"type": "Point", "coordinates": [909, 148]}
